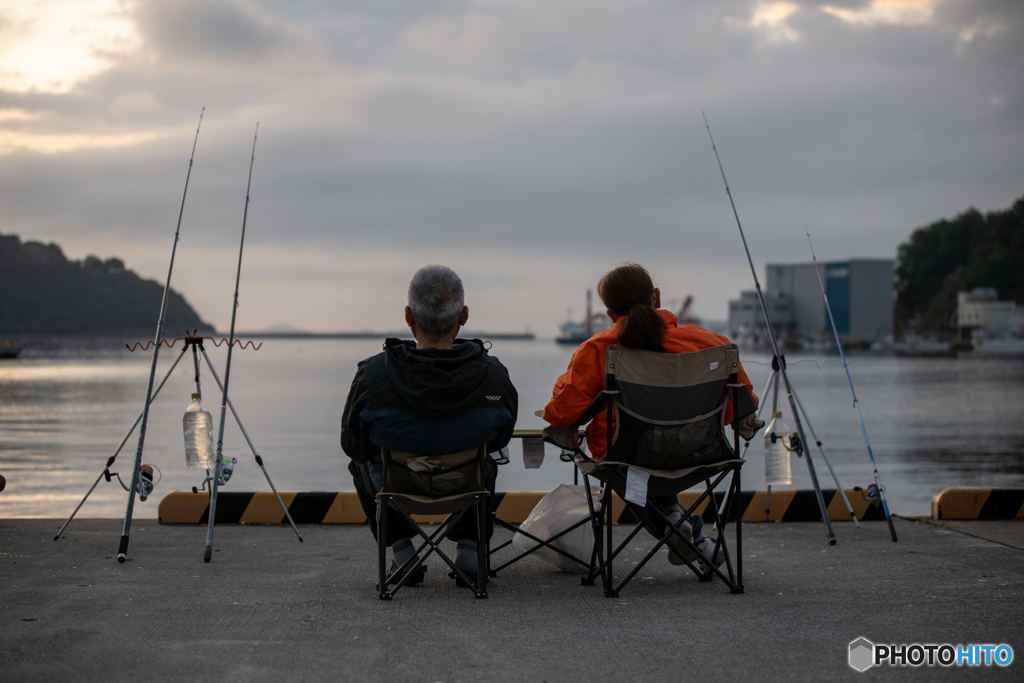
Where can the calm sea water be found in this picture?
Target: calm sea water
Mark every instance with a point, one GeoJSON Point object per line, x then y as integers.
{"type": "Point", "coordinates": [933, 423]}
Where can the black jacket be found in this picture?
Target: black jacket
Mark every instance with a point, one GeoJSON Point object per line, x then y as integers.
{"type": "Point", "coordinates": [428, 401]}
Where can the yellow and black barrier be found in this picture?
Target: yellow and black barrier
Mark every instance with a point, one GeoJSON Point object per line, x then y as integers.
{"type": "Point", "coordinates": [321, 507]}
{"type": "Point", "coordinates": [978, 503]}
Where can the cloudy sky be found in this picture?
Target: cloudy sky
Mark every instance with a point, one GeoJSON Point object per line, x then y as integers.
{"type": "Point", "coordinates": [531, 144]}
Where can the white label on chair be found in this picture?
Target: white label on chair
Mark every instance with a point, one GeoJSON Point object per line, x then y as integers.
{"type": "Point", "coordinates": [636, 486]}
{"type": "Point", "coordinates": [533, 452]}
{"type": "Point", "coordinates": [714, 366]}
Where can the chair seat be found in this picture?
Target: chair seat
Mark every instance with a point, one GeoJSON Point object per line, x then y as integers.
{"type": "Point", "coordinates": [425, 505]}
{"type": "Point", "coordinates": [588, 466]}
{"type": "Point", "coordinates": [670, 479]}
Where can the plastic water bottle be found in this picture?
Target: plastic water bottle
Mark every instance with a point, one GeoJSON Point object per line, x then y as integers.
{"type": "Point", "coordinates": [198, 424]}
{"type": "Point", "coordinates": [776, 452]}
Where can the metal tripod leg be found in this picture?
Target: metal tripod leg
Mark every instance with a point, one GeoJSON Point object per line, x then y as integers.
{"type": "Point", "coordinates": [110, 460]}
{"type": "Point", "coordinates": [807, 456]}
{"type": "Point", "coordinates": [252, 447]}
{"type": "Point", "coordinates": [817, 442]}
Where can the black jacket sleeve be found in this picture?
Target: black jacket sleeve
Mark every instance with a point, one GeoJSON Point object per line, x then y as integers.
{"type": "Point", "coordinates": [355, 440]}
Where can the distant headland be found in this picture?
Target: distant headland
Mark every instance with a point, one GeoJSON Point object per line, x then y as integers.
{"type": "Point", "coordinates": [43, 293]}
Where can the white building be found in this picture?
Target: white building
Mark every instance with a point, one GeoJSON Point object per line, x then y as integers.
{"type": "Point", "coordinates": [981, 310]}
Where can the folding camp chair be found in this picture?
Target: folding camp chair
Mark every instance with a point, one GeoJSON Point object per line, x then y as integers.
{"type": "Point", "coordinates": [665, 416]}
{"type": "Point", "coordinates": [450, 485]}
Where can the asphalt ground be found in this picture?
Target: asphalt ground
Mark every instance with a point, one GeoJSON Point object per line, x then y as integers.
{"type": "Point", "coordinates": [270, 609]}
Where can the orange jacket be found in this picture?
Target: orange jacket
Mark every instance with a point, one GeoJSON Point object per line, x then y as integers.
{"type": "Point", "coordinates": [584, 379]}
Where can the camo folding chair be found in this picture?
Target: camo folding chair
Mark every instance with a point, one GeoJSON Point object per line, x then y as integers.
{"type": "Point", "coordinates": [665, 415]}
{"type": "Point", "coordinates": [451, 485]}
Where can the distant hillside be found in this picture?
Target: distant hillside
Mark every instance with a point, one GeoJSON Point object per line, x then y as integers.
{"type": "Point", "coordinates": [948, 256]}
{"type": "Point", "coordinates": [42, 292]}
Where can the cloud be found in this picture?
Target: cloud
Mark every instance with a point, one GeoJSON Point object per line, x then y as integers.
{"type": "Point", "coordinates": [216, 32]}
{"type": "Point", "coordinates": [51, 46]}
{"type": "Point", "coordinates": [770, 19]}
{"type": "Point", "coordinates": [12, 142]}
{"type": "Point", "coordinates": [887, 13]}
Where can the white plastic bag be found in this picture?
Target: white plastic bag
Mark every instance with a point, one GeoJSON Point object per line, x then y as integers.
{"type": "Point", "coordinates": [558, 510]}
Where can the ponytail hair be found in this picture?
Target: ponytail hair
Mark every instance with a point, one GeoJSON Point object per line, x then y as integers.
{"type": "Point", "coordinates": [628, 292]}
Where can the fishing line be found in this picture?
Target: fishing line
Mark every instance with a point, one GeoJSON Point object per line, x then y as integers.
{"type": "Point", "coordinates": [879, 490]}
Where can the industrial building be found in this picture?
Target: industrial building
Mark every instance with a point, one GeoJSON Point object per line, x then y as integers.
{"type": "Point", "coordinates": [860, 292]}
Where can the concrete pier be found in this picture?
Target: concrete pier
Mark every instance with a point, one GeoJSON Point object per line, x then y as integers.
{"type": "Point", "coordinates": [270, 609]}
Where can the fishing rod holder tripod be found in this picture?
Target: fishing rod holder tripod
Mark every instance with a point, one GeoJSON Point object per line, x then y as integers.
{"type": "Point", "coordinates": [797, 443]}
{"type": "Point", "coordinates": [195, 343]}
{"type": "Point", "coordinates": [227, 466]}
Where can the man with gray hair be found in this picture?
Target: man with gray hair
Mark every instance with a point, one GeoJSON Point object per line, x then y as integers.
{"type": "Point", "coordinates": [433, 396]}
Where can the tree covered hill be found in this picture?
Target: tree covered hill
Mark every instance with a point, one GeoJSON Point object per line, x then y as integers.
{"type": "Point", "coordinates": [42, 292]}
{"type": "Point", "coordinates": [949, 256]}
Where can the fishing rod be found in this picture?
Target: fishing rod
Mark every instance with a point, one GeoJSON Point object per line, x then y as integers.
{"type": "Point", "coordinates": [218, 467]}
{"type": "Point", "coordinates": [122, 550]}
{"type": "Point", "coordinates": [775, 345]}
{"type": "Point", "coordinates": [879, 489]}
{"type": "Point", "coordinates": [227, 369]}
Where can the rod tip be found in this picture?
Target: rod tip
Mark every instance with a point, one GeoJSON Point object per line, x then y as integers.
{"type": "Point", "coordinates": [121, 558]}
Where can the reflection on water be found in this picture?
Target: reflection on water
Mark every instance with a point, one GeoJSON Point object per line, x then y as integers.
{"type": "Point", "coordinates": [933, 423]}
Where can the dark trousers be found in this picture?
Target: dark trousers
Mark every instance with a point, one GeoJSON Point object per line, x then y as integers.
{"type": "Point", "coordinates": [398, 527]}
{"type": "Point", "coordinates": [662, 502]}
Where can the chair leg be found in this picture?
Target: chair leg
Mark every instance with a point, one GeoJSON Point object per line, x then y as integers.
{"type": "Point", "coordinates": [739, 535]}
{"type": "Point", "coordinates": [382, 545]}
{"type": "Point", "coordinates": [609, 586]}
{"type": "Point", "coordinates": [494, 523]}
{"type": "Point", "coordinates": [481, 547]}
{"type": "Point", "coordinates": [595, 526]}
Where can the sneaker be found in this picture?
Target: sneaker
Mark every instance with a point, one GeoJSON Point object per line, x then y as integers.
{"type": "Point", "coordinates": [706, 546]}
{"type": "Point", "coordinates": [465, 560]}
{"type": "Point", "coordinates": [416, 578]}
{"type": "Point", "coordinates": [686, 530]}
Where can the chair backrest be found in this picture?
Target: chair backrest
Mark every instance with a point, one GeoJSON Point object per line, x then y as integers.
{"type": "Point", "coordinates": [669, 408]}
{"type": "Point", "coordinates": [433, 476]}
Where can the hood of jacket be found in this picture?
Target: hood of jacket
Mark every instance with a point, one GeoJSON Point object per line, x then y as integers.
{"type": "Point", "coordinates": [438, 382]}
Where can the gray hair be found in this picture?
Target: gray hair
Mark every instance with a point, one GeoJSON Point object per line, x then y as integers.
{"type": "Point", "coordinates": [436, 298]}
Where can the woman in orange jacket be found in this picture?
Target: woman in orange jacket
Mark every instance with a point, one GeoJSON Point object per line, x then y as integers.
{"type": "Point", "coordinates": [633, 304]}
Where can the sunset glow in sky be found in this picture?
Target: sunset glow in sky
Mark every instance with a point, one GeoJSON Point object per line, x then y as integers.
{"type": "Point", "coordinates": [531, 145]}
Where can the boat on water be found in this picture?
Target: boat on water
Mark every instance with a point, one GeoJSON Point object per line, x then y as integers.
{"type": "Point", "coordinates": [576, 333]}
{"type": "Point", "coordinates": [9, 349]}
{"type": "Point", "coordinates": [914, 346]}
{"type": "Point", "coordinates": [998, 346]}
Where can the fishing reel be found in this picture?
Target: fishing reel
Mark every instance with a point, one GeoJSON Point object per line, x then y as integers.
{"type": "Point", "coordinates": [796, 445]}
{"type": "Point", "coordinates": [227, 468]}
{"type": "Point", "coordinates": [871, 494]}
{"type": "Point", "coordinates": [791, 442]}
{"type": "Point", "coordinates": [146, 482]}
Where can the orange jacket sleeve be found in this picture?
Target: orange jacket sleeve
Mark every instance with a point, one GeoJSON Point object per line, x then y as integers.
{"type": "Point", "coordinates": [578, 385]}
